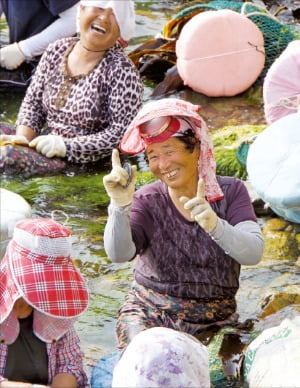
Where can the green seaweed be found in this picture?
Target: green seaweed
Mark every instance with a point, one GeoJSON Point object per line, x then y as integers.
{"type": "Point", "coordinates": [226, 141]}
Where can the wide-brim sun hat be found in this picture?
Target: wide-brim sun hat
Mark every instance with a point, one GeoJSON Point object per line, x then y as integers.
{"type": "Point", "coordinates": [134, 140]}
{"type": "Point", "coordinates": [37, 267]}
{"type": "Point", "coordinates": [123, 11]}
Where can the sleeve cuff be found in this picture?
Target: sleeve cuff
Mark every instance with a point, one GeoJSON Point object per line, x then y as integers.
{"type": "Point", "coordinates": [112, 208]}
{"type": "Point", "coordinates": [218, 232]}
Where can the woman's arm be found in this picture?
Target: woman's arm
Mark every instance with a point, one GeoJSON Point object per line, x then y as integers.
{"type": "Point", "coordinates": [20, 384]}
{"type": "Point", "coordinates": [69, 362]}
{"type": "Point", "coordinates": [62, 27]}
{"type": "Point", "coordinates": [118, 242]}
{"type": "Point", "coordinates": [24, 130]}
{"type": "Point", "coordinates": [240, 235]}
{"type": "Point", "coordinates": [244, 241]}
{"type": "Point", "coordinates": [242, 238]}
{"type": "Point", "coordinates": [32, 114]}
{"type": "Point", "coordinates": [64, 380]}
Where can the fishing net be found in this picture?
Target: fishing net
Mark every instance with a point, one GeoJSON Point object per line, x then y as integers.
{"type": "Point", "coordinates": [277, 35]}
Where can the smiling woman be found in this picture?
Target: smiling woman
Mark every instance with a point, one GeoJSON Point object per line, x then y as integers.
{"type": "Point", "coordinates": [119, 14]}
{"type": "Point", "coordinates": [100, 20]}
{"type": "Point", "coordinates": [83, 96]}
{"type": "Point", "coordinates": [191, 230]}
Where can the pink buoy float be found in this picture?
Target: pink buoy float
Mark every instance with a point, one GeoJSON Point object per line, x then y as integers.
{"type": "Point", "coordinates": [220, 53]}
{"type": "Point", "coordinates": [281, 89]}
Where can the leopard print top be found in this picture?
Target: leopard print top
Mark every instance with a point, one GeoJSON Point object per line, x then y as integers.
{"type": "Point", "coordinates": [97, 108]}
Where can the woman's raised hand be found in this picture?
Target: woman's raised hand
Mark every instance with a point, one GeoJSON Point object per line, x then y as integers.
{"type": "Point", "coordinates": [115, 182]}
{"type": "Point", "coordinates": [200, 209]}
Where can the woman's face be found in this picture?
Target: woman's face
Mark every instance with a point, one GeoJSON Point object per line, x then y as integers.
{"type": "Point", "coordinates": [172, 163]}
{"type": "Point", "coordinates": [99, 29]}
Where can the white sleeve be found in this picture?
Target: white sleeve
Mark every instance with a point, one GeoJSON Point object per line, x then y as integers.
{"type": "Point", "coordinates": [62, 27]}
{"type": "Point", "coordinates": [244, 241]}
{"type": "Point", "coordinates": [118, 242]}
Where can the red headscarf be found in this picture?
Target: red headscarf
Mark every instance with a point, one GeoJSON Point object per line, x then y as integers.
{"type": "Point", "coordinates": [133, 142]}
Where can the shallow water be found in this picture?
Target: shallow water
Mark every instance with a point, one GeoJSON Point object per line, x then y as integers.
{"type": "Point", "coordinates": [81, 202]}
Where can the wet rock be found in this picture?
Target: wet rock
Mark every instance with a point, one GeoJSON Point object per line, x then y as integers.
{"type": "Point", "coordinates": [90, 269]}
{"type": "Point", "coordinates": [274, 319]}
{"type": "Point", "coordinates": [277, 224]}
{"type": "Point", "coordinates": [286, 11]}
{"type": "Point", "coordinates": [77, 263]}
{"type": "Point", "coordinates": [280, 240]}
{"type": "Point", "coordinates": [277, 301]}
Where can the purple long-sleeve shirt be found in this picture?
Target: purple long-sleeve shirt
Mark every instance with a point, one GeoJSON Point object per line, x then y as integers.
{"type": "Point", "coordinates": [177, 256]}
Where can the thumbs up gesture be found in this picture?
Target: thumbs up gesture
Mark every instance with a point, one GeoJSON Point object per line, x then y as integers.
{"type": "Point", "coordinates": [116, 182]}
{"type": "Point", "coordinates": [200, 209]}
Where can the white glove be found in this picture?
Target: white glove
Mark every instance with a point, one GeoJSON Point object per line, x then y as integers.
{"type": "Point", "coordinates": [49, 145]}
{"type": "Point", "coordinates": [200, 209]}
{"type": "Point", "coordinates": [11, 56]}
{"type": "Point", "coordinates": [115, 183]}
{"type": "Point", "coordinates": [13, 139]}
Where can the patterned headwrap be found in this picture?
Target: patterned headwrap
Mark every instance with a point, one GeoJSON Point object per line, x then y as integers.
{"type": "Point", "coordinates": [134, 141]}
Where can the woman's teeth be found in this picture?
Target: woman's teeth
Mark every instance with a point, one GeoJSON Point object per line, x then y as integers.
{"type": "Point", "coordinates": [99, 29]}
{"type": "Point", "coordinates": [171, 174]}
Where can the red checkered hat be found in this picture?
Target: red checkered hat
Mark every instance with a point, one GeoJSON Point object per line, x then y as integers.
{"type": "Point", "coordinates": [37, 267]}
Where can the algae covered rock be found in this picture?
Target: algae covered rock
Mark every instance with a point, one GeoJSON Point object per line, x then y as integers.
{"type": "Point", "coordinates": [228, 142]}
{"type": "Point", "coordinates": [290, 311]}
{"type": "Point", "coordinates": [281, 240]}
{"type": "Point", "coordinates": [278, 300]}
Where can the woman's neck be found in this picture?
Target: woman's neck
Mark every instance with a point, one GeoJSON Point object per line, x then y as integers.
{"type": "Point", "coordinates": [22, 309]}
{"type": "Point", "coordinates": [189, 190]}
{"type": "Point", "coordinates": [81, 61]}
{"type": "Point", "coordinates": [90, 50]}
{"type": "Point", "coordinates": [175, 196]}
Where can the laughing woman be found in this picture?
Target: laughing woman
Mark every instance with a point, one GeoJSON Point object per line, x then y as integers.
{"type": "Point", "coordinates": [83, 96]}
